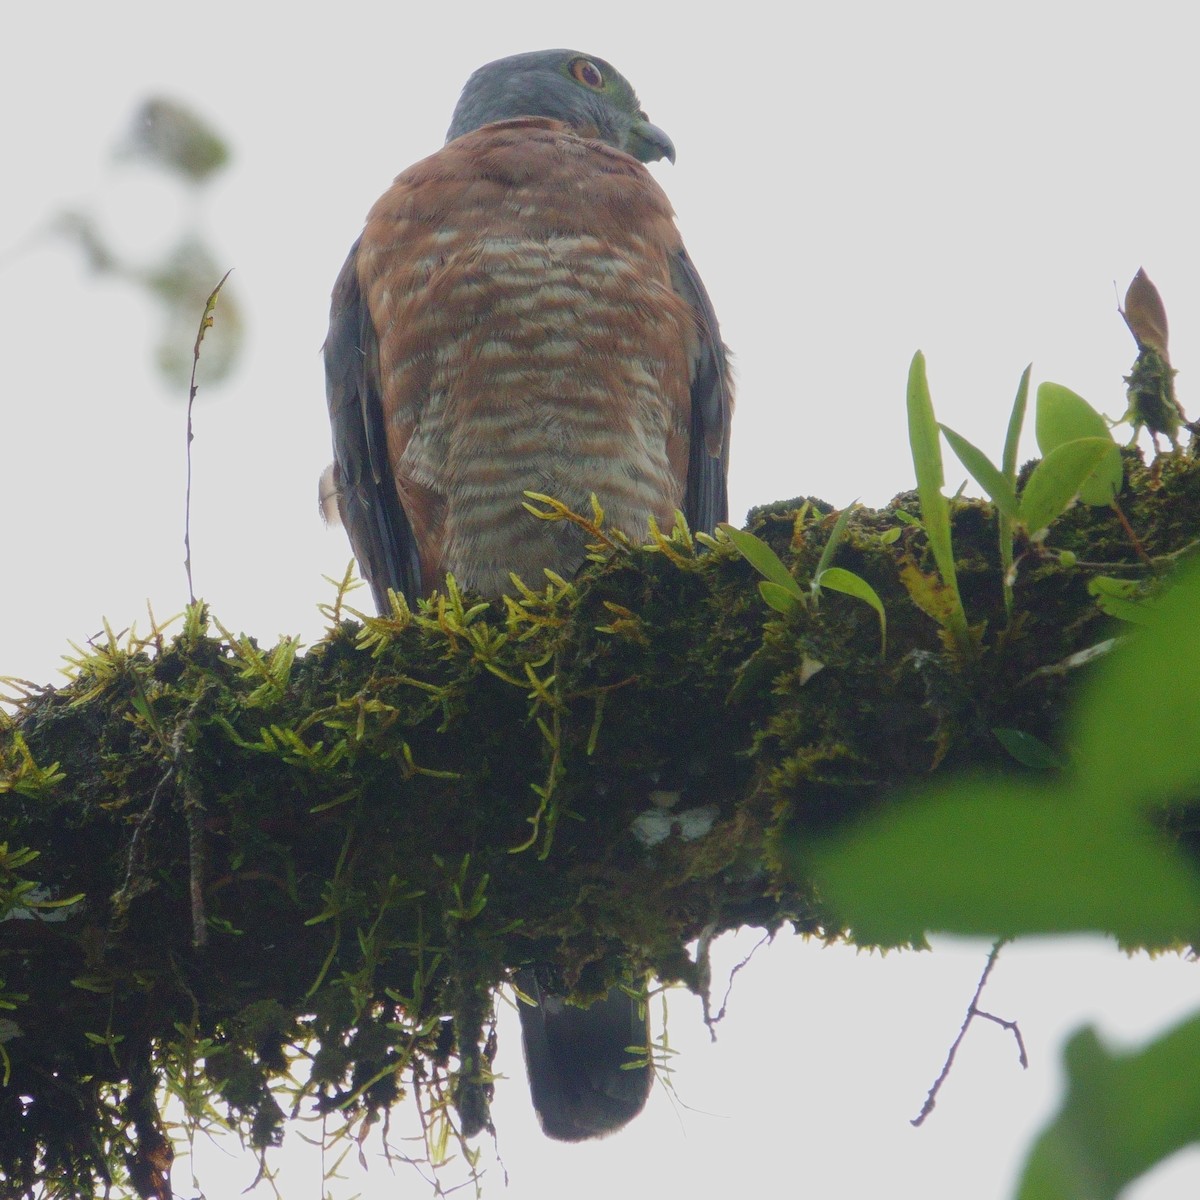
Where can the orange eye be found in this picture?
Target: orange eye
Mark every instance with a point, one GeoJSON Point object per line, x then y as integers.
{"type": "Point", "coordinates": [587, 73]}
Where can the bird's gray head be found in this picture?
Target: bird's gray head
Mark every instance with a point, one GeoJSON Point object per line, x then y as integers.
{"type": "Point", "coordinates": [582, 91]}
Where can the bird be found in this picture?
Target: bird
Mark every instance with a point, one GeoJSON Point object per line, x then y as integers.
{"type": "Point", "coordinates": [520, 315]}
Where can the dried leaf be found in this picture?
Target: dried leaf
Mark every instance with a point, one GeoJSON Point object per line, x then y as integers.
{"type": "Point", "coordinates": [1145, 315]}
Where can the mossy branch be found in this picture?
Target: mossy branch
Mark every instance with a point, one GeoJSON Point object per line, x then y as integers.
{"type": "Point", "coordinates": [220, 860]}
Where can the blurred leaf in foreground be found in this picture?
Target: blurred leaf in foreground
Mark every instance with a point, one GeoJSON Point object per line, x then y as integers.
{"type": "Point", "coordinates": [171, 135]}
{"type": "Point", "coordinates": [1123, 1114]}
{"type": "Point", "coordinates": [1012, 854]}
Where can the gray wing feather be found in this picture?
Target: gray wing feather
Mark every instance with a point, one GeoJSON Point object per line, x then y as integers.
{"type": "Point", "coordinates": [370, 508]}
{"type": "Point", "coordinates": [706, 501]}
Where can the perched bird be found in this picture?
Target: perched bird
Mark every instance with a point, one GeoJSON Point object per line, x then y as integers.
{"type": "Point", "coordinates": [519, 314]}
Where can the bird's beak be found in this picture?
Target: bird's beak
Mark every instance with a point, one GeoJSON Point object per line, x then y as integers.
{"type": "Point", "coordinates": [648, 143]}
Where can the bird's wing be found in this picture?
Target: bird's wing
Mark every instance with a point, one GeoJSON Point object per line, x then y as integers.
{"type": "Point", "coordinates": [370, 507]}
{"type": "Point", "coordinates": [706, 499]}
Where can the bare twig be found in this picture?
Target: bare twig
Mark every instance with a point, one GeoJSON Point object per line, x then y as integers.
{"type": "Point", "coordinates": [1013, 1028]}
{"type": "Point", "coordinates": [210, 308]}
{"type": "Point", "coordinates": [709, 1020]}
{"type": "Point", "coordinates": [193, 814]}
{"type": "Point", "coordinates": [973, 1011]}
{"type": "Point", "coordinates": [192, 803]}
{"type": "Point", "coordinates": [133, 884]}
{"type": "Point", "coordinates": [1136, 541]}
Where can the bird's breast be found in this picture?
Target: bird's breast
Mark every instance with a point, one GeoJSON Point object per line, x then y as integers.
{"type": "Point", "coordinates": [529, 340]}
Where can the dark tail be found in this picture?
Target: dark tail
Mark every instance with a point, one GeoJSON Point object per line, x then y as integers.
{"type": "Point", "coordinates": [582, 1075]}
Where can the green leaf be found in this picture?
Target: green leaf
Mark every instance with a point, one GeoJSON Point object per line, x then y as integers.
{"type": "Point", "coordinates": [1138, 728]}
{"type": "Point", "coordinates": [834, 540]}
{"type": "Point", "coordinates": [1058, 478]}
{"type": "Point", "coordinates": [984, 471]}
{"type": "Point", "coordinates": [779, 598]}
{"type": "Point", "coordinates": [1016, 421]}
{"type": "Point", "coordinates": [1001, 857]}
{"type": "Point", "coordinates": [1008, 464]}
{"type": "Point", "coordinates": [838, 579]}
{"type": "Point", "coordinates": [100, 1039]}
{"type": "Point", "coordinates": [925, 442]}
{"type": "Point", "coordinates": [1126, 599]}
{"type": "Point", "coordinates": [1065, 416]}
{"type": "Point", "coordinates": [1124, 1113]}
{"type": "Point", "coordinates": [1102, 486]}
{"type": "Point", "coordinates": [927, 461]}
{"type": "Point", "coordinates": [1028, 750]}
{"type": "Point", "coordinates": [102, 985]}
{"type": "Point", "coordinates": [65, 902]}
{"type": "Point", "coordinates": [763, 559]}
{"type": "Point", "coordinates": [1062, 417]}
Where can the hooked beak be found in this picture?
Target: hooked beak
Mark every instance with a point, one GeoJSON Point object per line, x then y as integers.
{"type": "Point", "coordinates": [648, 143]}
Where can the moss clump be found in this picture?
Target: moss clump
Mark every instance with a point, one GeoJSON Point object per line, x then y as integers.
{"type": "Point", "coordinates": [341, 853]}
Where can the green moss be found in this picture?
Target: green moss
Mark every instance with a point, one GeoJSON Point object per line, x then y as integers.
{"type": "Point", "coordinates": [325, 853]}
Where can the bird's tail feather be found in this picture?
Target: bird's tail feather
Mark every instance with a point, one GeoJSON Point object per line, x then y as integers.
{"type": "Point", "coordinates": [584, 1079]}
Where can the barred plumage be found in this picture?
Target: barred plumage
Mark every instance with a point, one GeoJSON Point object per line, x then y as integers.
{"type": "Point", "coordinates": [518, 315]}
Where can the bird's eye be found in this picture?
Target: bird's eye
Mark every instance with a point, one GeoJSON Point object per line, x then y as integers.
{"type": "Point", "coordinates": [587, 73]}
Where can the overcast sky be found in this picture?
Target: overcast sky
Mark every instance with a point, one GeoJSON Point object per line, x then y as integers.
{"type": "Point", "coordinates": [854, 182]}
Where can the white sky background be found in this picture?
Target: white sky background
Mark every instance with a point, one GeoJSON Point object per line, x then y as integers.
{"type": "Point", "coordinates": [854, 182]}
